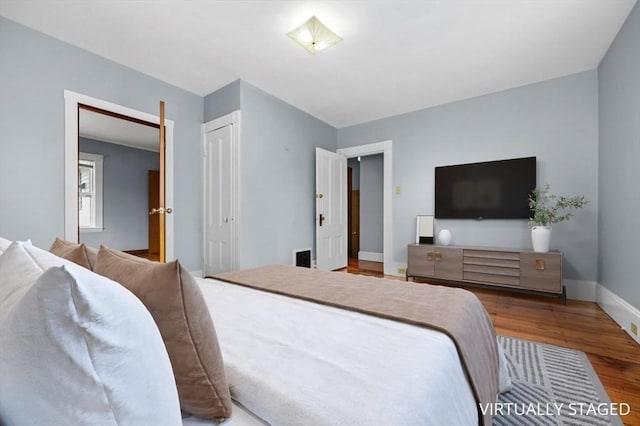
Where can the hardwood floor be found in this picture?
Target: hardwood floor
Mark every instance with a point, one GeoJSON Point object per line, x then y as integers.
{"type": "Point", "coordinates": [577, 325]}
{"type": "Point", "coordinates": [365, 267]}
{"type": "Point", "coordinates": [144, 254]}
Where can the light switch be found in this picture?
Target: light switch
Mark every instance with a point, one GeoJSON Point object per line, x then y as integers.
{"type": "Point", "coordinates": [398, 190]}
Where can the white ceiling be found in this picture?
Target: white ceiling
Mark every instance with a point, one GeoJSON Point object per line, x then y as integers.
{"type": "Point", "coordinates": [397, 56]}
{"type": "Point", "coordinates": [105, 128]}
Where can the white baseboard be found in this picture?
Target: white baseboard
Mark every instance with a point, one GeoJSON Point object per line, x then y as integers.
{"type": "Point", "coordinates": [619, 310]}
{"type": "Point", "coordinates": [371, 256]}
{"type": "Point", "coordinates": [581, 290]}
{"type": "Point", "coordinates": [396, 269]}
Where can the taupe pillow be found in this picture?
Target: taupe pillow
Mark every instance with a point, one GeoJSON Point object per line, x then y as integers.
{"type": "Point", "coordinates": [76, 253]}
{"type": "Point", "coordinates": [176, 303]}
{"type": "Point", "coordinates": [92, 255]}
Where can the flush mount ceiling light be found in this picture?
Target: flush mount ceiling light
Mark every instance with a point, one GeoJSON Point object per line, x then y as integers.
{"type": "Point", "coordinates": [314, 36]}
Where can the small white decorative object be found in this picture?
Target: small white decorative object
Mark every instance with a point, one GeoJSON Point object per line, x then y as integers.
{"type": "Point", "coordinates": [444, 237]}
{"type": "Point", "coordinates": [540, 237]}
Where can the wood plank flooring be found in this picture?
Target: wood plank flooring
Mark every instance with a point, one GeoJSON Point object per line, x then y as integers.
{"type": "Point", "coordinates": [577, 325]}
{"type": "Point", "coordinates": [145, 254]}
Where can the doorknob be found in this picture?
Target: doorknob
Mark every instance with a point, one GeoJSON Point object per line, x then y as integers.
{"type": "Point", "coordinates": [161, 210]}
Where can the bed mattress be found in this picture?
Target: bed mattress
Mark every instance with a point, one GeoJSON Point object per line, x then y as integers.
{"type": "Point", "coordinates": [292, 362]}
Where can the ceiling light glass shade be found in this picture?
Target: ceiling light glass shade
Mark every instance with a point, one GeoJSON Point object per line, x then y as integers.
{"type": "Point", "coordinates": [314, 36]}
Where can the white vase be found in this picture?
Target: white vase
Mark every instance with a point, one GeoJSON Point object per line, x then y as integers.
{"type": "Point", "coordinates": [540, 237]}
{"type": "Point", "coordinates": [444, 237]}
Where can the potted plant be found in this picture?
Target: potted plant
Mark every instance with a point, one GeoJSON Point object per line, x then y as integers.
{"type": "Point", "coordinates": [547, 209]}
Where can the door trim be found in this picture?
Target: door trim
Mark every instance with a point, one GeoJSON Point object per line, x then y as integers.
{"type": "Point", "coordinates": [71, 102]}
{"type": "Point", "coordinates": [385, 148]}
{"type": "Point", "coordinates": [233, 119]}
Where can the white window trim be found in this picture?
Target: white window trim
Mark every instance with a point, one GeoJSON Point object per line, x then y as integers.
{"type": "Point", "coordinates": [98, 183]}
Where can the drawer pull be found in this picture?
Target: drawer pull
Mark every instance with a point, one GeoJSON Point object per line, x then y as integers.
{"type": "Point", "coordinates": [430, 255]}
{"type": "Point", "coordinates": [438, 256]}
{"type": "Point", "coordinates": [539, 264]}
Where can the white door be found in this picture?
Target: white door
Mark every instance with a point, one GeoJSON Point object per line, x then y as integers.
{"type": "Point", "coordinates": [219, 222]}
{"type": "Point", "coordinates": [331, 210]}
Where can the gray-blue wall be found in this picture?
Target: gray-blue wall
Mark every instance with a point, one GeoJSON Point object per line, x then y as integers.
{"type": "Point", "coordinates": [555, 120]}
{"type": "Point", "coordinates": [277, 171]}
{"type": "Point", "coordinates": [371, 203]}
{"type": "Point", "coordinates": [125, 192]}
{"type": "Point", "coordinates": [355, 178]}
{"type": "Point", "coordinates": [222, 102]}
{"type": "Point", "coordinates": [277, 177]}
{"type": "Point", "coordinates": [34, 71]}
{"type": "Point", "coordinates": [618, 167]}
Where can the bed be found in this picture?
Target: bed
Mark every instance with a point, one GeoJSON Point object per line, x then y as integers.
{"type": "Point", "coordinates": [293, 361]}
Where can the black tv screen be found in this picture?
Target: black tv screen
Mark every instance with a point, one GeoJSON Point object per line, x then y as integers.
{"type": "Point", "coordinates": [489, 190]}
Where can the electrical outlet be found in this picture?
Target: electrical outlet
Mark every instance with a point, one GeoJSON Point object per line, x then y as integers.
{"type": "Point", "coordinates": [398, 190]}
{"type": "Point", "coordinates": [634, 328]}
{"type": "Point", "coordinates": [402, 270]}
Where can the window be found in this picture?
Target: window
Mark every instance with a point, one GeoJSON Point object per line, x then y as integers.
{"type": "Point", "coordinates": [90, 192]}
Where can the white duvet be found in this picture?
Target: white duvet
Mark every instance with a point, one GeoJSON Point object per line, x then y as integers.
{"type": "Point", "coordinates": [292, 362]}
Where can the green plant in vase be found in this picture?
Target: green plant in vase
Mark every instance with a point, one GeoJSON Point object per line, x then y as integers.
{"type": "Point", "coordinates": [547, 209]}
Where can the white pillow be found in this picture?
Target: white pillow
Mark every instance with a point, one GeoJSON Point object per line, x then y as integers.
{"type": "Point", "coordinates": [4, 244]}
{"type": "Point", "coordinates": [18, 270]}
{"type": "Point", "coordinates": [78, 348]}
{"type": "Point", "coordinates": [21, 265]}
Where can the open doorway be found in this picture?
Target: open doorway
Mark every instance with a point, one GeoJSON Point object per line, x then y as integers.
{"type": "Point", "coordinates": [385, 150]}
{"type": "Point", "coordinates": [73, 102]}
{"type": "Point", "coordinates": [118, 172]}
{"type": "Point", "coordinates": [365, 214]}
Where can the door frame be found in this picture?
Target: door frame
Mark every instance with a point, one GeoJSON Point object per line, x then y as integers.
{"type": "Point", "coordinates": [233, 119]}
{"type": "Point", "coordinates": [385, 148]}
{"type": "Point", "coordinates": [71, 129]}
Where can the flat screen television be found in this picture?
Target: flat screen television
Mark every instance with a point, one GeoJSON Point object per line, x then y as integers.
{"type": "Point", "coordinates": [489, 190]}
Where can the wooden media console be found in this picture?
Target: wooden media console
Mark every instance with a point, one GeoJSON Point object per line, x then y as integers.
{"type": "Point", "coordinates": [514, 269]}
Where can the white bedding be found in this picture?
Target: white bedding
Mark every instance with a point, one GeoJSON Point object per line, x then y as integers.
{"type": "Point", "coordinates": [240, 417]}
{"type": "Point", "coordinates": [292, 362]}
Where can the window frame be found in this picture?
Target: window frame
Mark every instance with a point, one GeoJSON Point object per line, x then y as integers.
{"type": "Point", "coordinates": [98, 169]}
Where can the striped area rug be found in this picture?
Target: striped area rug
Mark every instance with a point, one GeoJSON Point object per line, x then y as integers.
{"type": "Point", "coordinates": [551, 386]}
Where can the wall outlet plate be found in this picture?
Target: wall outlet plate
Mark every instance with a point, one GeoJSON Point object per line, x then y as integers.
{"type": "Point", "coordinates": [634, 328]}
